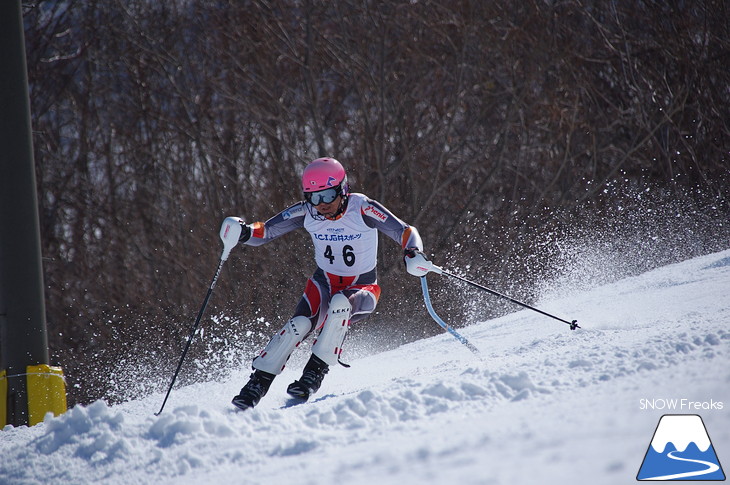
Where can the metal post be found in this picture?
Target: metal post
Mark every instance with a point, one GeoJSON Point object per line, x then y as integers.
{"type": "Point", "coordinates": [23, 334]}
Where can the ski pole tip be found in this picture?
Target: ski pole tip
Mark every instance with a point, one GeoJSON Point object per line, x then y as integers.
{"type": "Point", "coordinates": [574, 325]}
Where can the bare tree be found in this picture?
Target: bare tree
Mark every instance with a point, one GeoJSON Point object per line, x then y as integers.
{"type": "Point", "coordinates": [486, 124]}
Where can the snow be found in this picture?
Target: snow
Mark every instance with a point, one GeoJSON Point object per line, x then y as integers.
{"type": "Point", "coordinates": [544, 404]}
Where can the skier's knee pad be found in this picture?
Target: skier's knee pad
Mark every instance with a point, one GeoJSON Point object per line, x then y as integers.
{"type": "Point", "coordinates": [274, 356]}
{"type": "Point", "coordinates": [328, 345]}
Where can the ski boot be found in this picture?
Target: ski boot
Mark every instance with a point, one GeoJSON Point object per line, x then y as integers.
{"type": "Point", "coordinates": [254, 390]}
{"type": "Point", "coordinates": [311, 379]}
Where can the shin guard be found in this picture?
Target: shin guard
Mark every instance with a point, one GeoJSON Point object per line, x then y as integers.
{"type": "Point", "coordinates": [328, 345]}
{"type": "Point", "coordinates": [274, 356]}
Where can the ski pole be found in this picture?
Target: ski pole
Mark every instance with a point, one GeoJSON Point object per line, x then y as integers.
{"type": "Point", "coordinates": [444, 325]}
{"type": "Point", "coordinates": [230, 232]}
{"type": "Point", "coordinates": [573, 324]}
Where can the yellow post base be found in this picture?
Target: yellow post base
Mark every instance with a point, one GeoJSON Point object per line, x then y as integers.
{"type": "Point", "coordinates": [46, 392]}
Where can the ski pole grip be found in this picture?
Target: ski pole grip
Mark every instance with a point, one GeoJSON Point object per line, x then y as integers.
{"type": "Point", "coordinates": [230, 233]}
{"type": "Point", "coordinates": [436, 269]}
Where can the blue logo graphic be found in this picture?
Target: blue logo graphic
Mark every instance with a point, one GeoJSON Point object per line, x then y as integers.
{"type": "Point", "coordinates": [680, 450]}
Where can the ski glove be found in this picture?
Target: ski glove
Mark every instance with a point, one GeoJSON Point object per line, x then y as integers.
{"type": "Point", "coordinates": [245, 232]}
{"type": "Point", "coordinates": [230, 234]}
{"type": "Point", "coordinates": [416, 262]}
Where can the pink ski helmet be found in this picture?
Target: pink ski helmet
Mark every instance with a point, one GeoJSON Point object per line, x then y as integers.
{"type": "Point", "coordinates": [324, 173]}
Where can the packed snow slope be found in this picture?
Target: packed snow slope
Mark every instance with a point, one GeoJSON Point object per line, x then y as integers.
{"type": "Point", "coordinates": [545, 405]}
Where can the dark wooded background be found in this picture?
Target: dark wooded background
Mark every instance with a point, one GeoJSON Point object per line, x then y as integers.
{"type": "Point", "coordinates": [520, 137]}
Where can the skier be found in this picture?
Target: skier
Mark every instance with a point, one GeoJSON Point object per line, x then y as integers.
{"type": "Point", "coordinates": [344, 288]}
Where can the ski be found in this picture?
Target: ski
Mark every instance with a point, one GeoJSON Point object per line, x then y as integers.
{"type": "Point", "coordinates": [241, 403]}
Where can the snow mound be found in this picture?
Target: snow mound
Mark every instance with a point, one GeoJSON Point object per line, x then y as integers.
{"type": "Point", "coordinates": [565, 406]}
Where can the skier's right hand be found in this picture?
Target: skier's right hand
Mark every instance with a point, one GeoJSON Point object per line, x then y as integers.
{"type": "Point", "coordinates": [245, 232]}
{"type": "Point", "coordinates": [230, 233]}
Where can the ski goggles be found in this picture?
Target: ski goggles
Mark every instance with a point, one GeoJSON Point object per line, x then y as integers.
{"type": "Point", "coordinates": [325, 196]}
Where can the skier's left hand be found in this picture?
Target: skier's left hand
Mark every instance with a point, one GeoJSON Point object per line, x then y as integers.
{"type": "Point", "coordinates": [416, 262]}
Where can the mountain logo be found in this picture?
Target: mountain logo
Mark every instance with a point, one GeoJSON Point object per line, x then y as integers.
{"type": "Point", "coordinates": [680, 450]}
